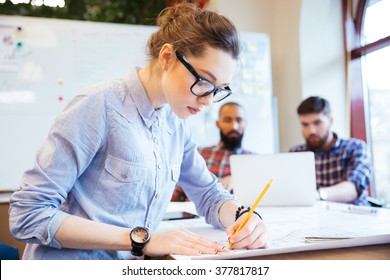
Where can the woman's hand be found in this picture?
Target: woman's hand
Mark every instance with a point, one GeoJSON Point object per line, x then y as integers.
{"type": "Point", "coordinates": [181, 242]}
{"type": "Point", "coordinates": [252, 236]}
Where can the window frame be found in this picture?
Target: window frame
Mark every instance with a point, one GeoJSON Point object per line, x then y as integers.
{"type": "Point", "coordinates": [353, 20]}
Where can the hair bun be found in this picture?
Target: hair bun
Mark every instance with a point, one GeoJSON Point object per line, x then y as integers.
{"type": "Point", "coordinates": [173, 13]}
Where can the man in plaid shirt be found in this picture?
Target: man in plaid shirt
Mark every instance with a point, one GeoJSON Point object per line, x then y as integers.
{"type": "Point", "coordinates": [231, 124]}
{"type": "Point", "coordinates": [343, 166]}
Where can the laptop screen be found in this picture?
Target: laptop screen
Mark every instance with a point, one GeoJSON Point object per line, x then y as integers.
{"type": "Point", "coordinates": [293, 174]}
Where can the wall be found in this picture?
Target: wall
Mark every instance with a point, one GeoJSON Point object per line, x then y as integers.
{"type": "Point", "coordinates": [323, 59]}
{"type": "Point", "coordinates": [306, 55]}
{"type": "Point", "coordinates": [287, 69]}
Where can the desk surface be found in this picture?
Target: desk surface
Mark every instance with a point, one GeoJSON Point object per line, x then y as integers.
{"type": "Point", "coordinates": [371, 252]}
{"type": "Point", "coordinates": [366, 236]}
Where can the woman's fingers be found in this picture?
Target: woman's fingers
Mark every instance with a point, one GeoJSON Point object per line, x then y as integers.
{"type": "Point", "coordinates": [253, 235]}
{"type": "Point", "coordinates": [182, 242]}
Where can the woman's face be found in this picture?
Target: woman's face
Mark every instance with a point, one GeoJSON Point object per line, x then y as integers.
{"type": "Point", "coordinates": [215, 65]}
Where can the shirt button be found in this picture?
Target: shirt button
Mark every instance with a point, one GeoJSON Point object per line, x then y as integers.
{"type": "Point", "coordinates": [124, 176]}
{"type": "Point", "coordinates": [159, 166]}
{"type": "Point", "coordinates": [156, 196]}
{"type": "Point", "coordinates": [18, 234]}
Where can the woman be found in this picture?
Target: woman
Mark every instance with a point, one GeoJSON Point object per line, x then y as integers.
{"type": "Point", "coordinates": [105, 175]}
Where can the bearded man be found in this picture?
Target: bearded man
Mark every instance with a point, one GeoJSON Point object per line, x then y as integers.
{"type": "Point", "coordinates": [343, 166]}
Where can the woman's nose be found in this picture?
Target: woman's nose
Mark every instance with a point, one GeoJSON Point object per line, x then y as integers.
{"type": "Point", "coordinates": [206, 100]}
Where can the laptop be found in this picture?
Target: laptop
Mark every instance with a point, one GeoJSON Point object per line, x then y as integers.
{"type": "Point", "coordinates": [293, 174]}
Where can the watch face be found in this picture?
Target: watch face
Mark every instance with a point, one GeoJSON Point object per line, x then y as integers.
{"type": "Point", "coordinates": [140, 235]}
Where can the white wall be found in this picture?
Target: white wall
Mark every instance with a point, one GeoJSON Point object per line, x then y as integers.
{"type": "Point", "coordinates": [306, 54]}
{"type": "Point", "coordinates": [323, 59]}
{"type": "Point", "coordinates": [286, 69]}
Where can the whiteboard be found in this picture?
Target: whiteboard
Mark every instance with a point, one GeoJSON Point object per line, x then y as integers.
{"type": "Point", "coordinates": [44, 63]}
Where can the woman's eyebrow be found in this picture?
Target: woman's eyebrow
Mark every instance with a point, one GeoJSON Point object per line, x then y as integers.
{"type": "Point", "coordinates": [211, 75]}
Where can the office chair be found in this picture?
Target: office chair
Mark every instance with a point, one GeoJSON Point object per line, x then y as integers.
{"type": "Point", "coordinates": [8, 252]}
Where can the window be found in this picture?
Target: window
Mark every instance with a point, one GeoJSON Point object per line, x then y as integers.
{"type": "Point", "coordinates": [376, 23]}
{"type": "Point", "coordinates": [370, 84]}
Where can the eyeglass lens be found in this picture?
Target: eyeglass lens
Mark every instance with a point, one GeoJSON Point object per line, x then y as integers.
{"type": "Point", "coordinates": [204, 88]}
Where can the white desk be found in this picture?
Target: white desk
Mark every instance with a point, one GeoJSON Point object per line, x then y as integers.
{"type": "Point", "coordinates": [290, 225]}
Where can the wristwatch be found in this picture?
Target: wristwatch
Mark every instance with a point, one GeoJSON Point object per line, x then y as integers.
{"type": "Point", "coordinates": [139, 237]}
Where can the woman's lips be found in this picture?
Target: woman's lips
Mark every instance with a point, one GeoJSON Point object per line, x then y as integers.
{"type": "Point", "coordinates": [193, 111]}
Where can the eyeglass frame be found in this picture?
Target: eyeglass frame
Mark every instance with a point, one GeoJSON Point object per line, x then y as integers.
{"type": "Point", "coordinates": [199, 78]}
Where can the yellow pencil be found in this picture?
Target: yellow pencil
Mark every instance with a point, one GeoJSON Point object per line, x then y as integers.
{"type": "Point", "coordinates": [253, 207]}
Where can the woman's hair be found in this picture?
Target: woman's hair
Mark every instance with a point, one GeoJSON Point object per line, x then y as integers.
{"type": "Point", "coordinates": [190, 30]}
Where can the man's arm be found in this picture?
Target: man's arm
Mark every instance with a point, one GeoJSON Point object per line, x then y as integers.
{"type": "Point", "coordinates": [345, 191]}
{"type": "Point", "coordinates": [226, 182]}
{"type": "Point", "coordinates": [357, 175]}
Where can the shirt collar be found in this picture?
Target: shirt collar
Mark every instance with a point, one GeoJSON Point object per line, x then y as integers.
{"type": "Point", "coordinates": [337, 143]}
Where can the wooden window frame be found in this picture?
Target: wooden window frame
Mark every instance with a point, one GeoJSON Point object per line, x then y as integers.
{"type": "Point", "coordinates": [353, 26]}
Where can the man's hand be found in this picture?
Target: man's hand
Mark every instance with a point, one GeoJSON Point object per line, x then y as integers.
{"type": "Point", "coordinates": [226, 182]}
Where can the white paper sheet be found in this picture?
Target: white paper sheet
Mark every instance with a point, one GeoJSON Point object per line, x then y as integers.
{"type": "Point", "coordinates": [289, 226]}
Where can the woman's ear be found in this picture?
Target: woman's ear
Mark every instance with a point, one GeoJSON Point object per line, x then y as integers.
{"type": "Point", "coordinates": [166, 56]}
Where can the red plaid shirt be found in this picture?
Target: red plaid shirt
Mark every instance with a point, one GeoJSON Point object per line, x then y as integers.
{"type": "Point", "coordinates": [217, 158]}
{"type": "Point", "coordinates": [217, 161]}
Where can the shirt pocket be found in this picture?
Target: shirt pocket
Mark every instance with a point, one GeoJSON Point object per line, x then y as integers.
{"type": "Point", "coordinates": [120, 185]}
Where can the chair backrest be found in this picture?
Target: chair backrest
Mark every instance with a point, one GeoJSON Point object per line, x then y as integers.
{"type": "Point", "coordinates": [8, 252]}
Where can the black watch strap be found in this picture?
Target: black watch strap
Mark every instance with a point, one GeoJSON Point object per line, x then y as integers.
{"type": "Point", "coordinates": [137, 249]}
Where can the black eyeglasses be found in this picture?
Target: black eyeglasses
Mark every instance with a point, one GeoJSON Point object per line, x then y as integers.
{"type": "Point", "coordinates": [202, 86]}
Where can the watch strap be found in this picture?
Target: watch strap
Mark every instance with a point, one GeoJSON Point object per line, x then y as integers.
{"type": "Point", "coordinates": [137, 249]}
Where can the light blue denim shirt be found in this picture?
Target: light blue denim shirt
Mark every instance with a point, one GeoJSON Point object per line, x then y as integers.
{"type": "Point", "coordinates": [112, 158]}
